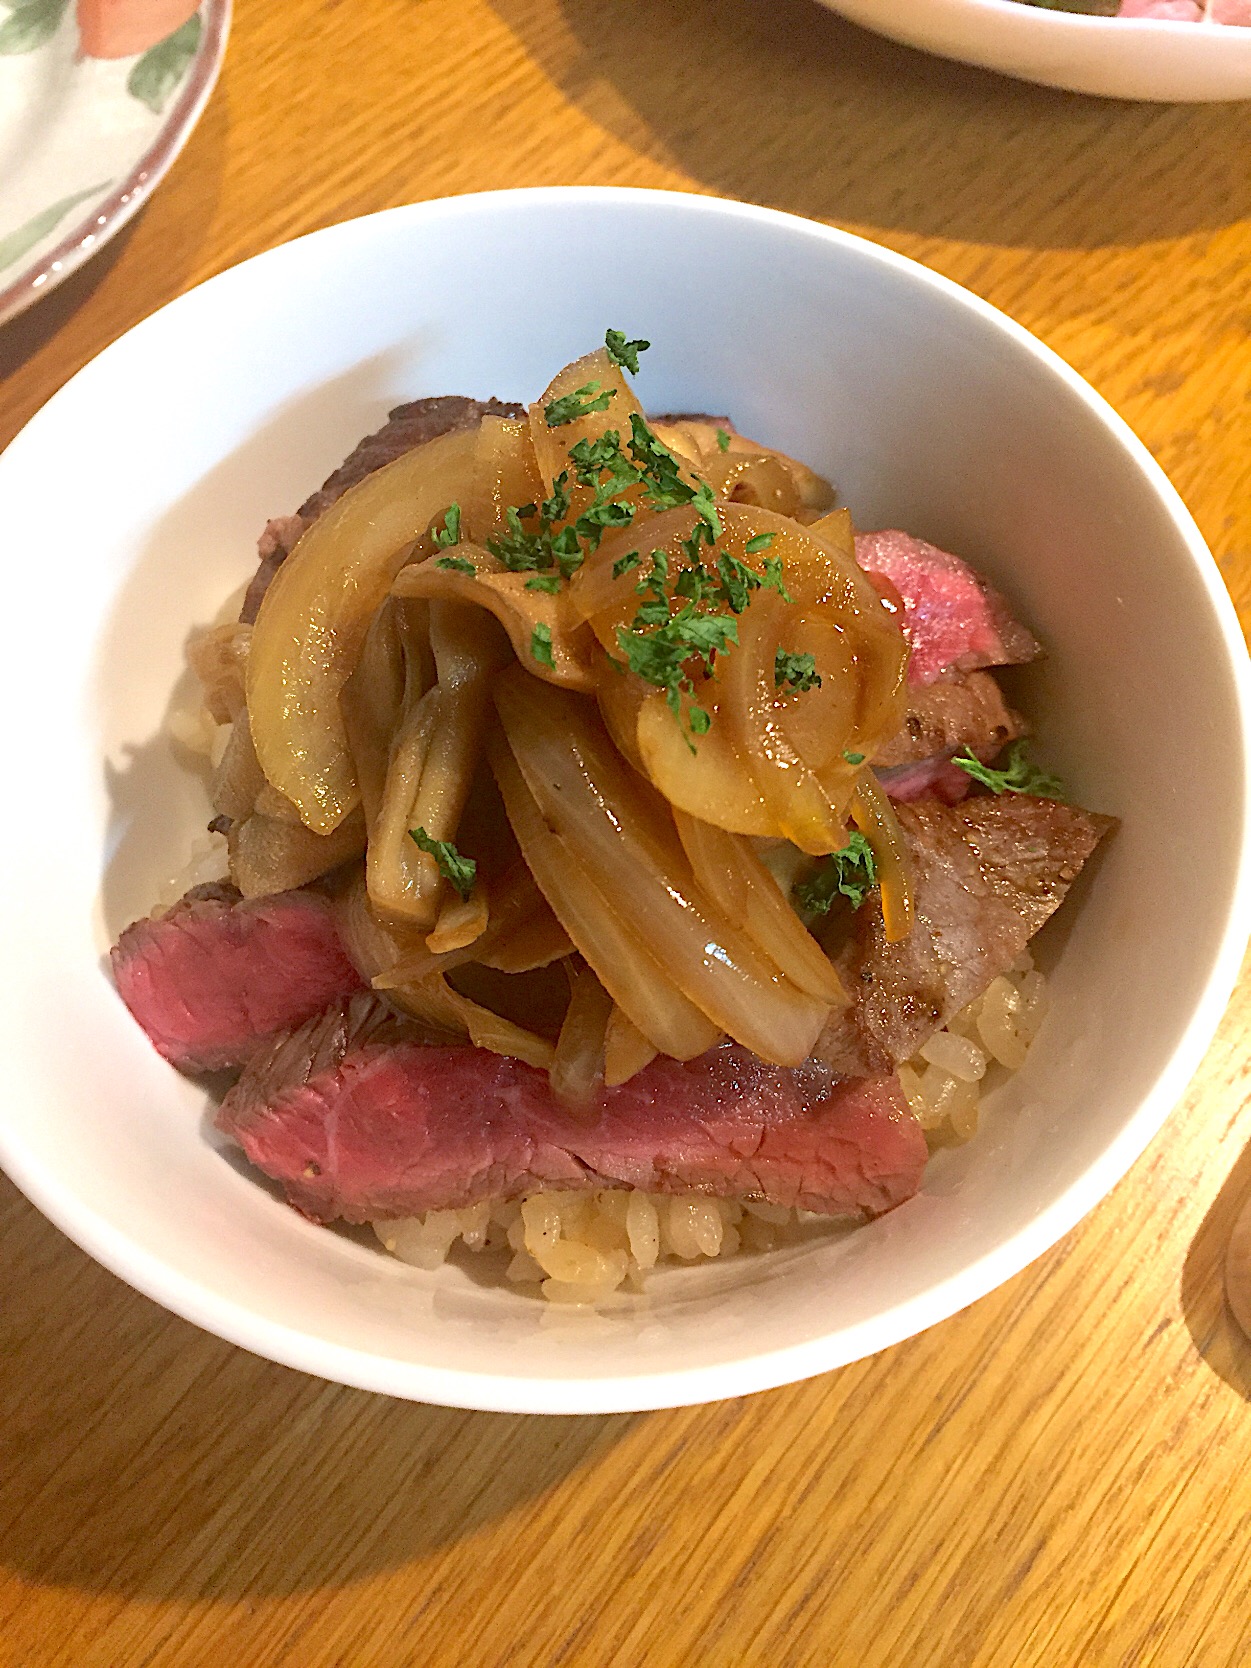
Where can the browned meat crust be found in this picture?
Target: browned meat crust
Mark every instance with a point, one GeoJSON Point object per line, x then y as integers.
{"type": "Point", "coordinates": [988, 873]}
{"type": "Point", "coordinates": [960, 710]}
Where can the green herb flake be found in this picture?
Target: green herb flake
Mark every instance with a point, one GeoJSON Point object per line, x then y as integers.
{"type": "Point", "coordinates": [658, 468]}
{"type": "Point", "coordinates": [567, 408]}
{"type": "Point", "coordinates": [854, 758]}
{"type": "Point", "coordinates": [683, 619]}
{"type": "Point", "coordinates": [738, 581]}
{"type": "Point", "coordinates": [623, 353]}
{"type": "Point", "coordinates": [1019, 775]}
{"type": "Point", "coordinates": [773, 580]}
{"type": "Point", "coordinates": [461, 871]}
{"type": "Point", "coordinates": [449, 533]}
{"type": "Point", "coordinates": [521, 551]}
{"type": "Point", "coordinates": [456, 564]}
{"type": "Point", "coordinates": [797, 672]}
{"type": "Point", "coordinates": [541, 646]}
{"type": "Point", "coordinates": [850, 873]}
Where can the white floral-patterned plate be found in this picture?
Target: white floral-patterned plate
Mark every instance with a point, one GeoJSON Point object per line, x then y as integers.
{"type": "Point", "coordinates": [97, 97]}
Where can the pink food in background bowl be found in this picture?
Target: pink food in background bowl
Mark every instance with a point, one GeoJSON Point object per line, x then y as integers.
{"type": "Point", "coordinates": [1167, 50]}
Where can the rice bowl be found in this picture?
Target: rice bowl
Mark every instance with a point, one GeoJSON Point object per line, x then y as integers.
{"type": "Point", "coordinates": [118, 1157]}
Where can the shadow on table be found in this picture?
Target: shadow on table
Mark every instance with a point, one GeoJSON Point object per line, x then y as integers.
{"type": "Point", "coordinates": [146, 1458]}
{"type": "Point", "coordinates": [842, 126]}
{"type": "Point", "coordinates": [1216, 1334]}
{"type": "Point", "coordinates": [24, 336]}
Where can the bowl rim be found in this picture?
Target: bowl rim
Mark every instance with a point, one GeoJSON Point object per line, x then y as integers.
{"type": "Point", "coordinates": [231, 1320]}
{"type": "Point", "coordinates": [1043, 17]}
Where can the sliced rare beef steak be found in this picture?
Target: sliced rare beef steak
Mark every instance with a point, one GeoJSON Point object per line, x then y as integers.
{"type": "Point", "coordinates": [361, 1122]}
{"type": "Point", "coordinates": [987, 873]}
{"type": "Point", "coordinates": [407, 427]}
{"type": "Point", "coordinates": [953, 619]}
{"type": "Point", "coordinates": [960, 709]}
{"type": "Point", "coordinates": [217, 976]}
{"type": "Point", "coordinates": [215, 980]}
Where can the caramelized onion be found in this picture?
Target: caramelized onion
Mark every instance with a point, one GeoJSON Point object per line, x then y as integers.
{"type": "Point", "coordinates": [631, 971]}
{"type": "Point", "coordinates": [521, 933]}
{"type": "Point", "coordinates": [219, 658]}
{"type": "Point", "coordinates": [619, 834]}
{"type": "Point", "coordinates": [238, 778]}
{"type": "Point", "coordinates": [518, 609]}
{"type": "Point", "coordinates": [553, 445]}
{"type": "Point", "coordinates": [772, 762]}
{"type": "Point", "coordinates": [801, 808]}
{"type": "Point", "coordinates": [313, 621]}
{"type": "Point", "coordinates": [626, 1049]}
{"type": "Point", "coordinates": [702, 445]}
{"type": "Point", "coordinates": [374, 688]}
{"type": "Point", "coordinates": [404, 881]}
{"type": "Point", "coordinates": [505, 475]}
{"type": "Point", "coordinates": [433, 763]}
{"type": "Point", "coordinates": [876, 820]}
{"type": "Point", "coordinates": [461, 922]}
{"type": "Point", "coordinates": [577, 1071]}
{"type": "Point", "coordinates": [375, 948]}
{"type": "Point", "coordinates": [395, 668]}
{"type": "Point", "coordinates": [269, 854]}
{"type": "Point", "coordinates": [728, 869]}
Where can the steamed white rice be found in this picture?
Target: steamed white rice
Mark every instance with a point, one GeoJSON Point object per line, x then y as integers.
{"type": "Point", "coordinates": [580, 1247]}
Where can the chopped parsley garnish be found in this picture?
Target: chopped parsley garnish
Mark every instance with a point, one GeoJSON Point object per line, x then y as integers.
{"type": "Point", "coordinates": [522, 549]}
{"type": "Point", "coordinates": [449, 533]}
{"type": "Point", "coordinates": [518, 549]}
{"type": "Point", "coordinates": [850, 873]}
{"type": "Point", "coordinates": [673, 626]}
{"type": "Point", "coordinates": [854, 758]}
{"type": "Point", "coordinates": [461, 871]}
{"type": "Point", "coordinates": [623, 353]}
{"type": "Point", "coordinates": [772, 580]}
{"type": "Point", "coordinates": [541, 646]}
{"type": "Point", "coordinates": [567, 408]}
{"type": "Point", "coordinates": [661, 475]}
{"type": "Point", "coordinates": [456, 564]}
{"type": "Point", "coordinates": [1019, 776]}
{"type": "Point", "coordinates": [659, 651]}
{"type": "Point", "coordinates": [685, 614]}
{"type": "Point", "coordinates": [738, 581]}
{"type": "Point", "coordinates": [795, 671]}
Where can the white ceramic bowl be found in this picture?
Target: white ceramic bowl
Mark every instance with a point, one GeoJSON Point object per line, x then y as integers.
{"type": "Point", "coordinates": [131, 504]}
{"type": "Point", "coordinates": [1118, 57]}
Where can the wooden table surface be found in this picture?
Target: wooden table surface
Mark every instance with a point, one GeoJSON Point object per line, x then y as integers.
{"type": "Point", "coordinates": [1062, 1474]}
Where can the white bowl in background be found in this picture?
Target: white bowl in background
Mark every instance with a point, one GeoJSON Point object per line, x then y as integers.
{"type": "Point", "coordinates": [131, 505]}
{"type": "Point", "coordinates": [1117, 57]}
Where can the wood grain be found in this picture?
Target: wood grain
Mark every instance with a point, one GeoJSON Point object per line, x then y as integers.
{"type": "Point", "coordinates": [1058, 1476]}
